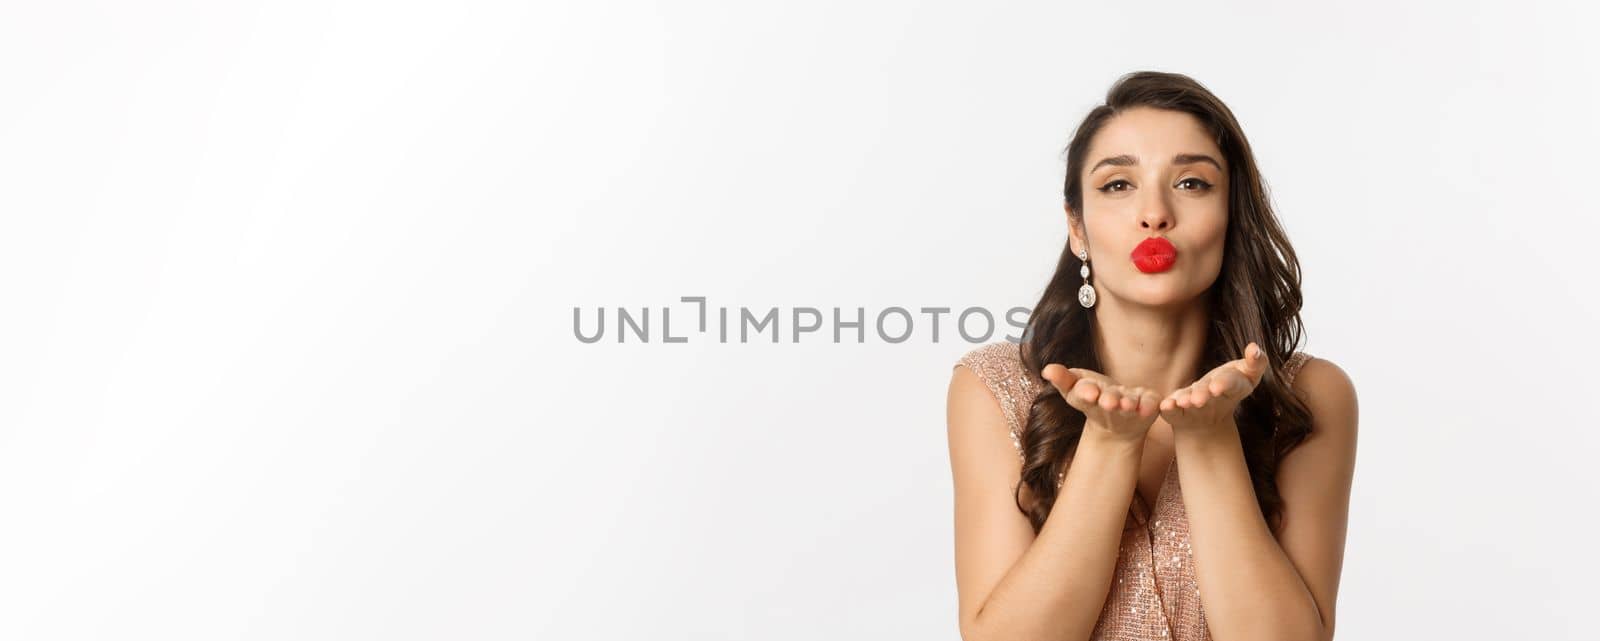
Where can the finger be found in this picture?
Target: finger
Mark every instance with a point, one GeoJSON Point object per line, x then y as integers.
{"type": "Point", "coordinates": [1169, 404]}
{"type": "Point", "coordinates": [1084, 395]}
{"type": "Point", "coordinates": [1254, 364]}
{"type": "Point", "coordinates": [1131, 399]}
{"type": "Point", "coordinates": [1059, 375]}
{"type": "Point", "coordinates": [1111, 399]}
{"type": "Point", "coordinates": [1177, 404]}
{"type": "Point", "coordinates": [1080, 393]}
{"type": "Point", "coordinates": [1124, 398]}
{"type": "Point", "coordinates": [1149, 403]}
{"type": "Point", "coordinates": [1222, 383]}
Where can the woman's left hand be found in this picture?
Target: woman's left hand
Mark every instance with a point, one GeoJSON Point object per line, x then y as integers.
{"type": "Point", "coordinates": [1209, 403]}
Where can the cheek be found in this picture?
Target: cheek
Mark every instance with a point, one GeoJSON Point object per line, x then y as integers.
{"type": "Point", "coordinates": [1216, 229]}
{"type": "Point", "coordinates": [1208, 219]}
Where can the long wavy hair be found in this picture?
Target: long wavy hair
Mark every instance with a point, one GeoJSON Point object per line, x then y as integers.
{"type": "Point", "coordinates": [1256, 297]}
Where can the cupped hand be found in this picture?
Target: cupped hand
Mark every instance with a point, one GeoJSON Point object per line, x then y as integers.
{"type": "Point", "coordinates": [1210, 402]}
{"type": "Point", "coordinates": [1122, 412]}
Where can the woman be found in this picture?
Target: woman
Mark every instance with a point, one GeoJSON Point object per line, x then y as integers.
{"type": "Point", "coordinates": [1155, 460]}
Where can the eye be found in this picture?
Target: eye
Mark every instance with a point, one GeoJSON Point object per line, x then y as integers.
{"type": "Point", "coordinates": [1201, 185]}
{"type": "Point", "coordinates": [1107, 188]}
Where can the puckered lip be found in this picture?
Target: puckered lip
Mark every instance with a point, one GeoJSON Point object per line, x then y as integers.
{"type": "Point", "coordinates": [1154, 245]}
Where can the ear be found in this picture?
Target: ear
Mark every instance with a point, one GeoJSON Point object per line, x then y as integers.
{"type": "Point", "coordinates": [1074, 230]}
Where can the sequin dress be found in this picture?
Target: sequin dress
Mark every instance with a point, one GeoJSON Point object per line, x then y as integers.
{"type": "Point", "coordinates": [1154, 594]}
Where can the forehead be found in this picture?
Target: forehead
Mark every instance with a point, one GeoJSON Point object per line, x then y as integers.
{"type": "Point", "coordinates": [1151, 135]}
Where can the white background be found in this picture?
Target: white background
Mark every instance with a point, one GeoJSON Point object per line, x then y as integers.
{"type": "Point", "coordinates": [287, 350]}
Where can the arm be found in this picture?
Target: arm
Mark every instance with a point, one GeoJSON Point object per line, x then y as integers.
{"type": "Point", "coordinates": [1252, 585]}
{"type": "Point", "coordinates": [1010, 584]}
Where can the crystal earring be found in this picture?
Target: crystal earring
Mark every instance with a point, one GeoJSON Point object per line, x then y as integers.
{"type": "Point", "coordinates": [1086, 292]}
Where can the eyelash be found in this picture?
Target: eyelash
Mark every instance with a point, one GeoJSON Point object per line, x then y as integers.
{"type": "Point", "coordinates": [1107, 187]}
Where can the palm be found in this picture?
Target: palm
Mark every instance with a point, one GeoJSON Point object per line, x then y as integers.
{"type": "Point", "coordinates": [1124, 412]}
{"type": "Point", "coordinates": [1212, 400]}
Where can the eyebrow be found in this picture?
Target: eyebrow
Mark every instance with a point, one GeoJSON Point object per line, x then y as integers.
{"type": "Point", "coordinates": [1126, 160]}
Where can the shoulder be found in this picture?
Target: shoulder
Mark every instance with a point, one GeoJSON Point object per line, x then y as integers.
{"type": "Point", "coordinates": [995, 377]}
{"type": "Point", "coordinates": [1329, 393]}
{"type": "Point", "coordinates": [993, 360]}
{"type": "Point", "coordinates": [999, 366]}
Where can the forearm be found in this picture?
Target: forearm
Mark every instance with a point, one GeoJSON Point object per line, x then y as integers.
{"type": "Point", "coordinates": [1057, 588]}
{"type": "Point", "coordinates": [1248, 587]}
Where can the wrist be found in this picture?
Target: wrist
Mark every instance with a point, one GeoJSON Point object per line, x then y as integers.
{"type": "Point", "coordinates": [1098, 438]}
{"type": "Point", "coordinates": [1219, 433]}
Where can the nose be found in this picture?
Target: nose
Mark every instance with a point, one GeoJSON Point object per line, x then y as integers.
{"type": "Point", "coordinates": [1156, 215]}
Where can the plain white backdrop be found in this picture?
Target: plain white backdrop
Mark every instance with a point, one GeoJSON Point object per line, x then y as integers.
{"type": "Point", "coordinates": [287, 345]}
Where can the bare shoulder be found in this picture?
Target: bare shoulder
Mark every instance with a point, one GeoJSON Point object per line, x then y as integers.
{"type": "Point", "coordinates": [1002, 384]}
{"type": "Point", "coordinates": [1329, 393]}
{"type": "Point", "coordinates": [972, 405]}
{"type": "Point", "coordinates": [966, 387]}
{"type": "Point", "coordinates": [979, 410]}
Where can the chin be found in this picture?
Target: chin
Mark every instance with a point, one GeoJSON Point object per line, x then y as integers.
{"type": "Point", "coordinates": [1164, 294]}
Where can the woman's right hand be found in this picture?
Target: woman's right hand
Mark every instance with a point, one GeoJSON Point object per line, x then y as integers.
{"type": "Point", "coordinates": [1123, 413]}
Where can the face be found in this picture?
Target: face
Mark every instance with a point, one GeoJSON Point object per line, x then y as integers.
{"type": "Point", "coordinates": [1153, 173]}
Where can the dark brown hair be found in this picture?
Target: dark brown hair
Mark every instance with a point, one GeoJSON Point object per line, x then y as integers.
{"type": "Point", "coordinates": [1256, 297]}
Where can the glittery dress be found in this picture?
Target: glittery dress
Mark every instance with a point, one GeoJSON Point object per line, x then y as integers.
{"type": "Point", "coordinates": [1154, 594]}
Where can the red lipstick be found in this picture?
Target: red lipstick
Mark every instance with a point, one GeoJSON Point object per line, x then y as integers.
{"type": "Point", "coordinates": [1155, 254]}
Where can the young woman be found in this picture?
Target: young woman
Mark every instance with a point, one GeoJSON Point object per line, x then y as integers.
{"type": "Point", "coordinates": [1156, 459]}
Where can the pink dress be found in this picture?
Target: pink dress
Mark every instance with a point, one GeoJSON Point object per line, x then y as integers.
{"type": "Point", "coordinates": [1154, 594]}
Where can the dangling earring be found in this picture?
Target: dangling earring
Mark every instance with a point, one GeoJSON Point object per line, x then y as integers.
{"type": "Point", "coordinates": [1086, 292]}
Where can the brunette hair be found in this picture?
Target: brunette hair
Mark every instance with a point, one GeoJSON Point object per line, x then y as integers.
{"type": "Point", "coordinates": [1256, 297]}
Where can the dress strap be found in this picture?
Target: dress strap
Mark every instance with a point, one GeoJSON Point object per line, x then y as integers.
{"type": "Point", "coordinates": [1292, 367]}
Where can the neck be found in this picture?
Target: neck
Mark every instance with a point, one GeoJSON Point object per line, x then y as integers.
{"type": "Point", "coordinates": [1158, 348]}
